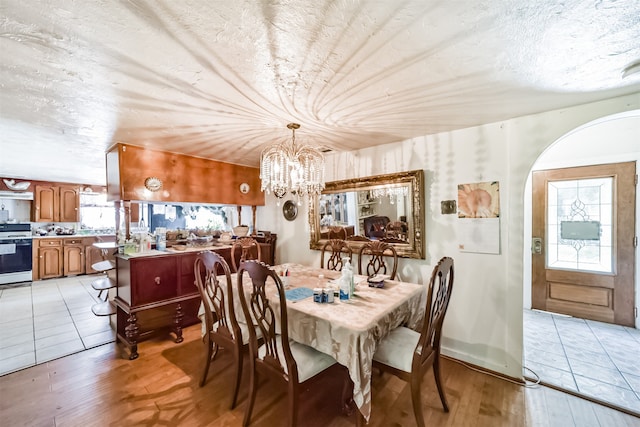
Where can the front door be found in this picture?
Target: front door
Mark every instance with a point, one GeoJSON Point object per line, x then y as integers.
{"type": "Point", "coordinates": [583, 249]}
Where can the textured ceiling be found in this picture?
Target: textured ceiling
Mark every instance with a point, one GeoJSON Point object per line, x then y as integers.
{"type": "Point", "coordinates": [221, 79]}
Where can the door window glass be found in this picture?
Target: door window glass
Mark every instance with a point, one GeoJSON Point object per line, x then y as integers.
{"type": "Point", "coordinates": [579, 225]}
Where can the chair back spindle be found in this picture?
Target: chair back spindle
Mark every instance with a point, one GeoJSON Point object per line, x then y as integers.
{"type": "Point", "coordinates": [339, 249]}
{"type": "Point", "coordinates": [438, 296]}
{"type": "Point", "coordinates": [374, 253]}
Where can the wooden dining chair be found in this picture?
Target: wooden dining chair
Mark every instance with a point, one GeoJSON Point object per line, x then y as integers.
{"type": "Point", "coordinates": [213, 280]}
{"type": "Point", "coordinates": [396, 229]}
{"type": "Point", "coordinates": [337, 232]}
{"type": "Point", "coordinates": [409, 354]}
{"type": "Point", "coordinates": [338, 249]}
{"type": "Point", "coordinates": [374, 253]}
{"type": "Point", "coordinates": [244, 248]}
{"type": "Point", "coordinates": [293, 364]}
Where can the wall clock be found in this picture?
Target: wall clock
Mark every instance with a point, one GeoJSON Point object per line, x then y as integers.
{"type": "Point", "coordinates": [289, 210]}
{"type": "Point", "coordinates": [153, 184]}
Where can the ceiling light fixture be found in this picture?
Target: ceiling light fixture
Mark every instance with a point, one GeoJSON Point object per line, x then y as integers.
{"type": "Point", "coordinates": [286, 167]}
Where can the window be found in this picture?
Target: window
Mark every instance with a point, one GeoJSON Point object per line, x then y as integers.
{"type": "Point", "coordinates": [580, 225]}
{"type": "Point", "coordinates": [95, 212]}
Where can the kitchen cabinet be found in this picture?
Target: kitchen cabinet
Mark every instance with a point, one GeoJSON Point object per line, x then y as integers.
{"type": "Point", "coordinates": [67, 256]}
{"type": "Point", "coordinates": [129, 166]}
{"type": "Point", "coordinates": [45, 201]}
{"type": "Point", "coordinates": [73, 257]}
{"type": "Point", "coordinates": [69, 204]}
{"type": "Point", "coordinates": [56, 203]}
{"type": "Point", "coordinates": [49, 259]}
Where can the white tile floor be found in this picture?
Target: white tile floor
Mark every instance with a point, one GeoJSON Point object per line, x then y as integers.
{"type": "Point", "coordinates": [48, 319]}
{"type": "Point", "coordinates": [591, 358]}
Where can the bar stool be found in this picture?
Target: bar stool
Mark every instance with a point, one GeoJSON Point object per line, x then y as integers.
{"type": "Point", "coordinates": [103, 284]}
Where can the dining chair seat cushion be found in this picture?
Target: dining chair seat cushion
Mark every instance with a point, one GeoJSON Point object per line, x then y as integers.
{"type": "Point", "coordinates": [309, 360]}
{"type": "Point", "coordinates": [397, 348]}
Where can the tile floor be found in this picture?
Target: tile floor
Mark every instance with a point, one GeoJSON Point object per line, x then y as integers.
{"type": "Point", "coordinates": [48, 319]}
{"type": "Point", "coordinates": [596, 359]}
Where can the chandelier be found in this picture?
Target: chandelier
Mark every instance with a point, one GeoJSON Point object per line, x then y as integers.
{"type": "Point", "coordinates": [286, 167]}
{"type": "Point", "coordinates": [395, 194]}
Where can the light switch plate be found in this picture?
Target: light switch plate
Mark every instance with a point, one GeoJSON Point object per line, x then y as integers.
{"type": "Point", "coordinates": [448, 207]}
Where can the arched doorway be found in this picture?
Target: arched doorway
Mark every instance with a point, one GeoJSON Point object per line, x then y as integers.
{"type": "Point", "coordinates": [593, 359]}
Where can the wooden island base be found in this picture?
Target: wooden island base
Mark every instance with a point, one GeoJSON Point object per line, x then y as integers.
{"type": "Point", "coordinates": [143, 322]}
{"type": "Point", "coordinates": [156, 292]}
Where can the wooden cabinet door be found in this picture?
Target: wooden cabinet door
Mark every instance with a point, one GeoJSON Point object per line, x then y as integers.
{"type": "Point", "coordinates": [91, 255]}
{"type": "Point", "coordinates": [50, 262]}
{"type": "Point", "coordinates": [69, 204]}
{"type": "Point", "coordinates": [154, 279]}
{"type": "Point", "coordinates": [73, 261]}
{"type": "Point", "coordinates": [187, 274]}
{"type": "Point", "coordinates": [45, 203]}
{"type": "Point", "coordinates": [266, 255]}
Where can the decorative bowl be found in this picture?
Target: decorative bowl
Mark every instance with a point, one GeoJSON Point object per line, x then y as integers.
{"type": "Point", "coordinates": [225, 237]}
{"type": "Point", "coordinates": [241, 230]}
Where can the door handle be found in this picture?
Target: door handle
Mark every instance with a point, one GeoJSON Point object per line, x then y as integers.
{"type": "Point", "coordinates": [536, 245]}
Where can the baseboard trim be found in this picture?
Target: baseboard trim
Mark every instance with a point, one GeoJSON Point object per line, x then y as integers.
{"type": "Point", "coordinates": [487, 371]}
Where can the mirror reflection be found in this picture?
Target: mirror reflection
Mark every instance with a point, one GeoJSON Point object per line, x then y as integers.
{"type": "Point", "coordinates": [384, 207]}
{"type": "Point", "coordinates": [375, 213]}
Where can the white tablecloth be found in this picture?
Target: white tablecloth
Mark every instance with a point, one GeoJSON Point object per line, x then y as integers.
{"type": "Point", "coordinates": [349, 331]}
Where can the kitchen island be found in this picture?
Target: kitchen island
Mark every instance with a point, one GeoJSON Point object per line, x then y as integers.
{"type": "Point", "coordinates": [156, 292]}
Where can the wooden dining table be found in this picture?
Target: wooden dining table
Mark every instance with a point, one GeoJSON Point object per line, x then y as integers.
{"type": "Point", "coordinates": [349, 331]}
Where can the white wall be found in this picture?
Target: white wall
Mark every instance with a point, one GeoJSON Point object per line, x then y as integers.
{"type": "Point", "coordinates": [610, 139]}
{"type": "Point", "coordinates": [484, 322]}
{"type": "Point", "coordinates": [19, 210]}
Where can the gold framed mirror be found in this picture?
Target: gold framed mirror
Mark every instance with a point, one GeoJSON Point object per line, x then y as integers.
{"type": "Point", "coordinates": [386, 207]}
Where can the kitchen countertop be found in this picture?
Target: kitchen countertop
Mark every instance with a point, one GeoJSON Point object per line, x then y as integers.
{"type": "Point", "coordinates": [63, 236]}
{"type": "Point", "coordinates": [171, 251]}
{"type": "Point", "coordinates": [198, 248]}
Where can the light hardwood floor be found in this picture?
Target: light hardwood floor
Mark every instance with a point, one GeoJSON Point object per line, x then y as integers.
{"type": "Point", "coordinates": [99, 387]}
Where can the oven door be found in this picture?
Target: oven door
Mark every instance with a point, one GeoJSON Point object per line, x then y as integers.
{"type": "Point", "coordinates": [15, 255]}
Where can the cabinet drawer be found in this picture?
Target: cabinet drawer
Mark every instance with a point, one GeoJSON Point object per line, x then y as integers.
{"type": "Point", "coordinates": [154, 280]}
{"type": "Point", "coordinates": [73, 242]}
{"type": "Point", "coordinates": [50, 242]}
